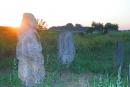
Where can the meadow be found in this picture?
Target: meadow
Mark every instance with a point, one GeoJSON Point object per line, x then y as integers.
{"type": "Point", "coordinates": [93, 66]}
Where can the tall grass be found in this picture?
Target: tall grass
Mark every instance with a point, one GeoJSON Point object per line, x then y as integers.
{"type": "Point", "coordinates": [10, 79]}
{"type": "Point", "coordinates": [94, 53]}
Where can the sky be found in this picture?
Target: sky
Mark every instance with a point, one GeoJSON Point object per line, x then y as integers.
{"type": "Point", "coordinates": [60, 12]}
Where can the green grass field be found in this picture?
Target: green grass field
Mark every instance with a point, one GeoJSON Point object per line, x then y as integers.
{"type": "Point", "coordinates": [94, 64]}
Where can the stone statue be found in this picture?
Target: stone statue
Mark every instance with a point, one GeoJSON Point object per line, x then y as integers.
{"type": "Point", "coordinates": [29, 52]}
{"type": "Point", "coordinates": [66, 48]}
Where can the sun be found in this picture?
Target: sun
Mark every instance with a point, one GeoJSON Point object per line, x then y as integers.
{"type": "Point", "coordinates": [16, 23]}
{"type": "Point", "coordinates": [12, 20]}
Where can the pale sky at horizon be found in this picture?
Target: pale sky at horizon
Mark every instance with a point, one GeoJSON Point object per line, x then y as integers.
{"type": "Point", "coordinates": [60, 12]}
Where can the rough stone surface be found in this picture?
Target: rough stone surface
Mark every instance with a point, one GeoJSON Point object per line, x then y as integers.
{"type": "Point", "coordinates": [66, 48]}
{"type": "Point", "coordinates": [119, 54]}
{"type": "Point", "coordinates": [29, 52]}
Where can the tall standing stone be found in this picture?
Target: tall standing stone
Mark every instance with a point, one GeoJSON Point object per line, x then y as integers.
{"type": "Point", "coordinates": [66, 48]}
{"type": "Point", "coordinates": [29, 52]}
{"type": "Point", "coordinates": [119, 54]}
{"type": "Point", "coordinates": [129, 77]}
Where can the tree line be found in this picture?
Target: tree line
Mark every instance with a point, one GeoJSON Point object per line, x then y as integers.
{"type": "Point", "coordinates": [100, 27]}
{"type": "Point", "coordinates": [94, 28]}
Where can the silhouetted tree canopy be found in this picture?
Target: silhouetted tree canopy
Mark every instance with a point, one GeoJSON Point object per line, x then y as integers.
{"type": "Point", "coordinates": [110, 27]}
{"type": "Point", "coordinates": [78, 25]}
{"type": "Point", "coordinates": [41, 24]}
{"type": "Point", "coordinates": [94, 28]}
{"type": "Point", "coordinates": [69, 25]}
{"type": "Point", "coordinates": [99, 27]}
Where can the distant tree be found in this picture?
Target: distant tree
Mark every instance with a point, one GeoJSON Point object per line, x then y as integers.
{"type": "Point", "coordinates": [106, 27]}
{"type": "Point", "coordinates": [97, 26]}
{"type": "Point", "coordinates": [93, 24]}
{"type": "Point", "coordinates": [69, 25]}
{"type": "Point", "coordinates": [100, 27]}
{"type": "Point", "coordinates": [41, 24]}
{"type": "Point", "coordinates": [78, 26]}
{"type": "Point", "coordinates": [110, 27]}
{"type": "Point", "coordinates": [115, 27]}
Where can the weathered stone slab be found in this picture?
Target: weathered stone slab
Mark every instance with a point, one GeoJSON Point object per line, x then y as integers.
{"type": "Point", "coordinates": [29, 52]}
{"type": "Point", "coordinates": [119, 54]}
{"type": "Point", "coordinates": [66, 48]}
